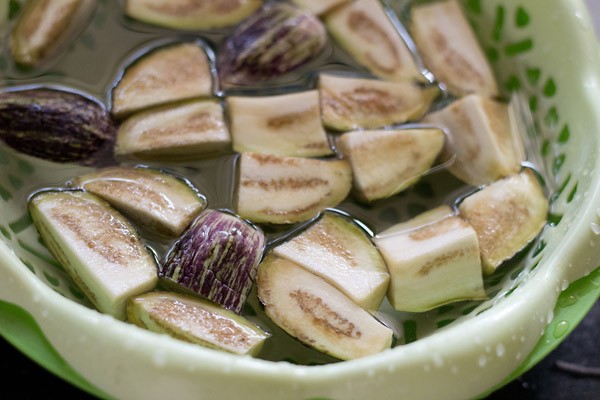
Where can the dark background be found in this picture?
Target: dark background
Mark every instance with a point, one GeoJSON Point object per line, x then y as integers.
{"type": "Point", "coordinates": [580, 380]}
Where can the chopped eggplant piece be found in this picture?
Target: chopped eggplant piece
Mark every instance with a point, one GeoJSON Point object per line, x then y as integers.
{"type": "Point", "coordinates": [450, 50]}
{"type": "Point", "coordinates": [351, 102]}
{"type": "Point", "coordinates": [155, 200]}
{"type": "Point", "coordinates": [191, 14]}
{"type": "Point", "coordinates": [178, 132]}
{"type": "Point", "coordinates": [316, 313]}
{"type": "Point", "coordinates": [57, 125]}
{"type": "Point", "coordinates": [285, 125]}
{"type": "Point", "coordinates": [365, 31]}
{"type": "Point", "coordinates": [433, 259]}
{"type": "Point", "coordinates": [481, 138]}
{"type": "Point", "coordinates": [319, 7]}
{"type": "Point", "coordinates": [507, 215]}
{"type": "Point", "coordinates": [196, 321]}
{"type": "Point", "coordinates": [96, 245]}
{"type": "Point", "coordinates": [45, 28]}
{"type": "Point", "coordinates": [282, 190]}
{"type": "Point", "coordinates": [340, 252]}
{"type": "Point", "coordinates": [276, 40]}
{"type": "Point", "coordinates": [166, 74]}
{"type": "Point", "coordinates": [386, 162]}
{"type": "Point", "coordinates": [215, 258]}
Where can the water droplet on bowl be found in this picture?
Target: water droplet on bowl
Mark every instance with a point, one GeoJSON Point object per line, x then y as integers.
{"type": "Point", "coordinates": [160, 358]}
{"type": "Point", "coordinates": [564, 285]}
{"type": "Point", "coordinates": [560, 329]}
{"type": "Point", "coordinates": [500, 350]}
{"type": "Point", "coordinates": [370, 373]}
{"type": "Point", "coordinates": [549, 316]}
{"type": "Point", "coordinates": [595, 228]}
{"type": "Point", "coordinates": [518, 356]}
{"type": "Point", "coordinates": [438, 361]}
{"type": "Point", "coordinates": [454, 369]}
{"type": "Point", "coordinates": [482, 361]}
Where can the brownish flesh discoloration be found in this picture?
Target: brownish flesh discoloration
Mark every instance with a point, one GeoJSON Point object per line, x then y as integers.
{"type": "Point", "coordinates": [324, 316]}
{"type": "Point", "coordinates": [288, 121]}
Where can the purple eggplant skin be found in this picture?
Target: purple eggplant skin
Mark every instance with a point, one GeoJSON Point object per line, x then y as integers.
{"type": "Point", "coordinates": [57, 125]}
{"type": "Point", "coordinates": [275, 40]}
{"type": "Point", "coordinates": [215, 258]}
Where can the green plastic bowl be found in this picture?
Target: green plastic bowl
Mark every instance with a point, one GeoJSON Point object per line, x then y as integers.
{"type": "Point", "coordinates": [545, 50]}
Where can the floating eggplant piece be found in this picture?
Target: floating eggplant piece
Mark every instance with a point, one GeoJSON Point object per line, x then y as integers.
{"type": "Point", "coordinates": [215, 258]}
{"type": "Point", "coordinates": [507, 215]}
{"type": "Point", "coordinates": [386, 162]}
{"type": "Point", "coordinates": [282, 190]}
{"type": "Point", "coordinates": [45, 27]}
{"type": "Point", "coordinates": [316, 313]}
{"type": "Point", "coordinates": [352, 103]}
{"type": "Point", "coordinates": [433, 259]}
{"type": "Point", "coordinates": [57, 125]}
{"type": "Point", "coordinates": [155, 200]}
{"type": "Point", "coordinates": [183, 131]}
{"type": "Point", "coordinates": [341, 253]}
{"type": "Point", "coordinates": [450, 50]}
{"type": "Point", "coordinates": [276, 40]}
{"type": "Point", "coordinates": [481, 138]}
{"type": "Point", "coordinates": [166, 74]}
{"type": "Point", "coordinates": [286, 125]}
{"type": "Point", "coordinates": [96, 245]}
{"type": "Point", "coordinates": [364, 30]}
{"type": "Point", "coordinates": [195, 320]}
{"type": "Point", "coordinates": [319, 7]}
{"type": "Point", "coordinates": [191, 14]}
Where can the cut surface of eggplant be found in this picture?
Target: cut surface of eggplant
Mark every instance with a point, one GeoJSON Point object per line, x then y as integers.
{"type": "Point", "coordinates": [363, 29]}
{"type": "Point", "coordinates": [433, 259]}
{"type": "Point", "coordinates": [283, 190]}
{"type": "Point", "coordinates": [350, 102]}
{"type": "Point", "coordinates": [450, 50]}
{"type": "Point", "coordinates": [190, 14]}
{"type": "Point", "coordinates": [177, 132]}
{"type": "Point", "coordinates": [286, 125]}
{"type": "Point", "coordinates": [166, 74]}
{"type": "Point", "coordinates": [507, 215]}
{"type": "Point", "coordinates": [316, 313]}
{"type": "Point", "coordinates": [155, 200]}
{"type": "Point", "coordinates": [386, 162]}
{"type": "Point", "coordinates": [196, 321]}
{"type": "Point", "coordinates": [341, 253]}
{"type": "Point", "coordinates": [97, 246]}
{"type": "Point", "coordinates": [482, 141]}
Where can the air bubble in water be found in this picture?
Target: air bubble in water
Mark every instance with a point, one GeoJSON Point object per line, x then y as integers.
{"type": "Point", "coordinates": [160, 358]}
{"type": "Point", "coordinates": [438, 361]}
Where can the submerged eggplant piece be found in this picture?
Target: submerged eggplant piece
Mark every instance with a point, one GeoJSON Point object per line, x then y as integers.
{"type": "Point", "coordinates": [386, 162]}
{"type": "Point", "coordinates": [433, 259]}
{"type": "Point", "coordinates": [340, 252]}
{"type": "Point", "coordinates": [56, 125]}
{"type": "Point", "coordinates": [363, 29]}
{"type": "Point", "coordinates": [191, 14]}
{"type": "Point", "coordinates": [276, 40]}
{"type": "Point", "coordinates": [286, 125]}
{"type": "Point", "coordinates": [166, 74]}
{"type": "Point", "coordinates": [507, 215]}
{"type": "Point", "coordinates": [155, 200]}
{"type": "Point", "coordinates": [183, 131]}
{"type": "Point", "coordinates": [450, 50]}
{"type": "Point", "coordinates": [481, 138]}
{"type": "Point", "coordinates": [349, 102]}
{"type": "Point", "coordinates": [316, 313]}
{"type": "Point", "coordinates": [196, 321]}
{"type": "Point", "coordinates": [283, 190]}
{"type": "Point", "coordinates": [45, 27]}
{"type": "Point", "coordinates": [215, 258]}
{"type": "Point", "coordinates": [96, 245]}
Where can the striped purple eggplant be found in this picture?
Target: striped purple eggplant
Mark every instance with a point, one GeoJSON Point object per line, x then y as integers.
{"type": "Point", "coordinates": [56, 125]}
{"type": "Point", "coordinates": [273, 41]}
{"type": "Point", "coordinates": [215, 258]}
